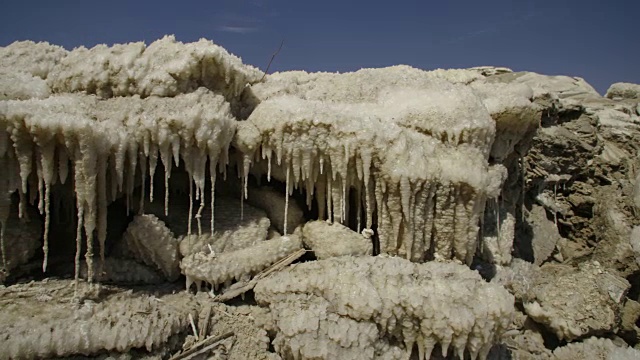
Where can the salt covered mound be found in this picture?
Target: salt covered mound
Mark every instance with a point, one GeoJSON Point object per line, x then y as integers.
{"type": "Point", "coordinates": [36, 59]}
{"type": "Point", "coordinates": [381, 299]}
{"type": "Point", "coordinates": [164, 68]}
{"type": "Point", "coordinates": [417, 155]}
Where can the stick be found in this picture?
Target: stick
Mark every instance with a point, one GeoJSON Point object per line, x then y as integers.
{"type": "Point", "coordinates": [209, 343]}
{"type": "Point", "coordinates": [272, 57]}
{"type": "Point", "coordinates": [244, 287]}
{"type": "Point", "coordinates": [193, 327]}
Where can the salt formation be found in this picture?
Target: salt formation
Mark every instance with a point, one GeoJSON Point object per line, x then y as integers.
{"type": "Point", "coordinates": [595, 348]}
{"type": "Point", "coordinates": [105, 140]}
{"type": "Point", "coordinates": [235, 265]}
{"type": "Point", "coordinates": [410, 144]}
{"type": "Point", "coordinates": [382, 299]}
{"type": "Point", "coordinates": [623, 91]}
{"type": "Point", "coordinates": [119, 323]}
{"type": "Point", "coordinates": [164, 68]}
{"type": "Point", "coordinates": [148, 240]}
{"type": "Point", "coordinates": [331, 240]}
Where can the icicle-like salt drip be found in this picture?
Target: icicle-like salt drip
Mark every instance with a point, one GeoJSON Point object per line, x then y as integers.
{"type": "Point", "coordinates": [329, 198]}
{"type": "Point", "coordinates": [101, 183]}
{"type": "Point", "coordinates": [80, 185]}
{"type": "Point", "coordinates": [165, 156]}
{"type": "Point", "coordinates": [286, 201]}
{"type": "Point", "coordinates": [366, 176]}
{"type": "Point", "coordinates": [132, 157]}
{"type": "Point", "coordinates": [153, 163]}
{"type": "Point", "coordinates": [245, 174]}
{"type": "Point", "coordinates": [190, 205]}
{"type": "Point", "coordinates": [40, 177]}
{"type": "Point", "coordinates": [143, 180]}
{"type": "Point", "coordinates": [212, 170]}
{"type": "Point", "coordinates": [200, 209]}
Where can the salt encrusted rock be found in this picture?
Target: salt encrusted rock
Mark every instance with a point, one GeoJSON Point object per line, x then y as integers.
{"type": "Point", "coordinates": [149, 240]}
{"type": "Point", "coordinates": [491, 70]}
{"type": "Point", "coordinates": [595, 348]}
{"type": "Point", "coordinates": [324, 136]}
{"type": "Point", "coordinates": [232, 265]}
{"type": "Point", "coordinates": [331, 240]}
{"type": "Point", "coordinates": [37, 59]}
{"type": "Point", "coordinates": [164, 68]}
{"type": "Point", "coordinates": [22, 86]}
{"type": "Point", "coordinates": [576, 302]}
{"type": "Point", "coordinates": [237, 226]}
{"type": "Point", "coordinates": [276, 205]}
{"type": "Point", "coordinates": [518, 278]}
{"type": "Point", "coordinates": [117, 323]}
{"type": "Point", "coordinates": [352, 302]}
{"type": "Point", "coordinates": [623, 91]}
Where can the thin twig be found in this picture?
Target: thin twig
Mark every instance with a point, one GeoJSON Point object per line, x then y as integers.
{"type": "Point", "coordinates": [193, 327]}
{"type": "Point", "coordinates": [272, 57]}
{"type": "Point", "coordinates": [208, 344]}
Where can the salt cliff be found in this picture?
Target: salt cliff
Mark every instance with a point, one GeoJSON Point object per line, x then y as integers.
{"type": "Point", "coordinates": [393, 189]}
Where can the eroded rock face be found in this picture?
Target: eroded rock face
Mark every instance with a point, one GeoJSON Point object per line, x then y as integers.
{"type": "Point", "coordinates": [576, 303]}
{"type": "Point", "coordinates": [383, 299]}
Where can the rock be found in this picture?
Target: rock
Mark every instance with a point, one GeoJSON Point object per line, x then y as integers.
{"type": "Point", "coordinates": [491, 70]}
{"type": "Point", "coordinates": [527, 345]}
{"type": "Point", "coordinates": [22, 238]}
{"type": "Point", "coordinates": [517, 278]}
{"type": "Point", "coordinates": [331, 240]}
{"type": "Point", "coordinates": [274, 204]}
{"type": "Point", "coordinates": [236, 227]}
{"type": "Point", "coordinates": [614, 248]}
{"type": "Point", "coordinates": [635, 243]}
{"type": "Point", "coordinates": [575, 303]}
{"type": "Point", "coordinates": [630, 319]}
{"type": "Point", "coordinates": [623, 91]}
{"type": "Point", "coordinates": [595, 348]}
{"type": "Point", "coordinates": [545, 234]}
{"type": "Point", "coordinates": [380, 299]}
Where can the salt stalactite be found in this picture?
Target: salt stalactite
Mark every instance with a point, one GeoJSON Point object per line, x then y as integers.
{"type": "Point", "coordinates": [424, 186]}
{"type": "Point", "coordinates": [106, 149]}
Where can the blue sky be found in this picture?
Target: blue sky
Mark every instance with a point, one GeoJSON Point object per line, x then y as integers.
{"type": "Point", "coordinates": [597, 40]}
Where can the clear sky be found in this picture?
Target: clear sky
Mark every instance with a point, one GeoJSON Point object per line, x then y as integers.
{"type": "Point", "coordinates": [594, 39]}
